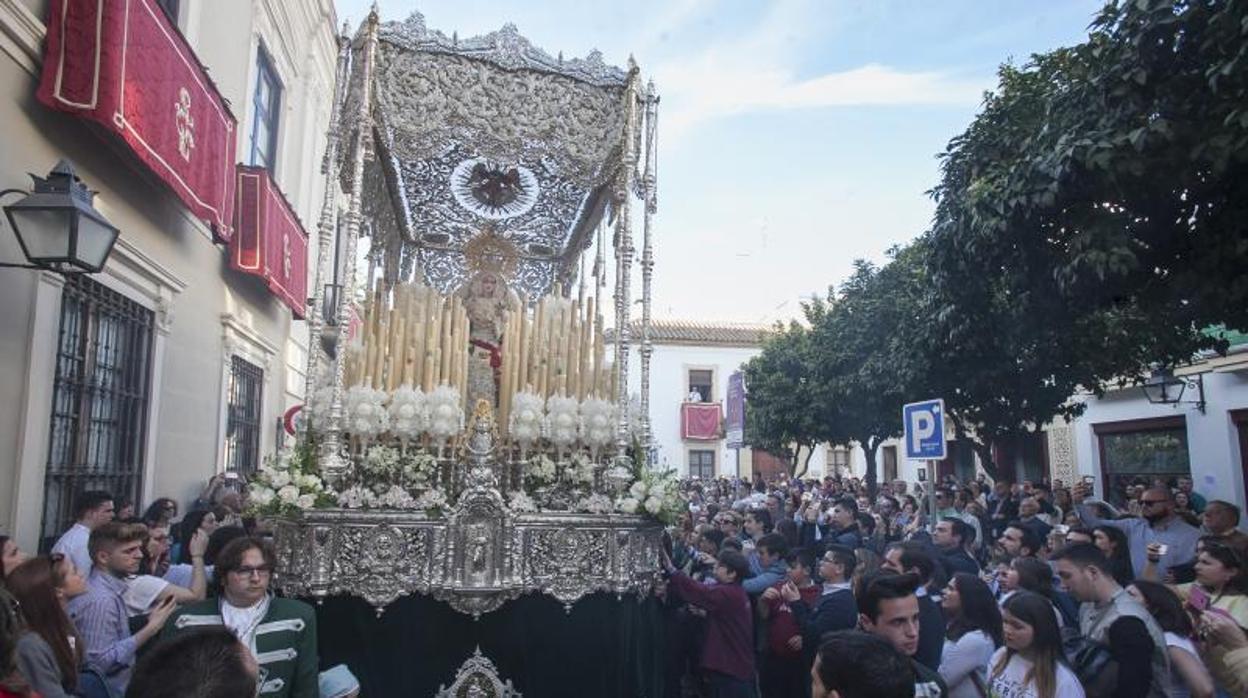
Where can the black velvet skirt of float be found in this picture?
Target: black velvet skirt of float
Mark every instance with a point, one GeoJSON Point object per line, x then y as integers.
{"type": "Point", "coordinates": [606, 646]}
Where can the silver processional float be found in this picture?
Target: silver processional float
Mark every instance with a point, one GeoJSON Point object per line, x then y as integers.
{"type": "Point", "coordinates": [469, 432]}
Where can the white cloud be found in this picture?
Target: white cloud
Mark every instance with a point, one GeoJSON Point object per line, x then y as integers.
{"type": "Point", "coordinates": [706, 89]}
{"type": "Point", "coordinates": [757, 72]}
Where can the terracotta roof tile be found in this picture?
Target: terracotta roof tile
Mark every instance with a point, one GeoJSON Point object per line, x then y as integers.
{"type": "Point", "coordinates": [735, 334]}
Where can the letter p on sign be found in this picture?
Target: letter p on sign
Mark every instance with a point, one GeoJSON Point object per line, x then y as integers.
{"type": "Point", "coordinates": [924, 424]}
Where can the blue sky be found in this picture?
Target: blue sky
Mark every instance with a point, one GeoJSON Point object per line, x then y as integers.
{"type": "Point", "coordinates": [794, 136]}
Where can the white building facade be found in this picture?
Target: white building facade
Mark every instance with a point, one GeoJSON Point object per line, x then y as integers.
{"type": "Point", "coordinates": [169, 365]}
{"type": "Point", "coordinates": [697, 358]}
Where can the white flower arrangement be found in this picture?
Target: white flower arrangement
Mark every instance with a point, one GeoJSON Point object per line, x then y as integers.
{"type": "Point", "coordinates": [581, 470]}
{"type": "Point", "coordinates": [409, 414]}
{"type": "Point", "coordinates": [431, 499]}
{"type": "Point", "coordinates": [656, 494]}
{"type": "Point", "coordinates": [562, 420]}
{"type": "Point", "coordinates": [446, 413]}
{"type": "Point", "coordinates": [365, 415]}
{"type": "Point", "coordinates": [396, 498]}
{"type": "Point", "coordinates": [596, 504]}
{"type": "Point", "coordinates": [380, 463]}
{"type": "Point", "coordinates": [285, 484]}
{"type": "Point", "coordinates": [597, 423]}
{"type": "Point", "coordinates": [521, 502]}
{"type": "Point", "coordinates": [542, 470]}
{"type": "Point", "coordinates": [356, 497]}
{"type": "Point", "coordinates": [419, 471]}
{"type": "Point", "coordinates": [527, 417]}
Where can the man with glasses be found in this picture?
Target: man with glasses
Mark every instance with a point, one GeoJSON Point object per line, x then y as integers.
{"type": "Point", "coordinates": [1158, 525]}
{"type": "Point", "coordinates": [281, 633]}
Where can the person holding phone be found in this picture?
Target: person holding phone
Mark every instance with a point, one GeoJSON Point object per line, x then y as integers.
{"type": "Point", "coordinates": [100, 614]}
{"type": "Point", "coordinates": [1221, 588]}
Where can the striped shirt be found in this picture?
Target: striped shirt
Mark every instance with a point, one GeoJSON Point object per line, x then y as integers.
{"type": "Point", "coordinates": [102, 621]}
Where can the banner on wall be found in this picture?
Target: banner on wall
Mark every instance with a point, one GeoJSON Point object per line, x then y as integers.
{"type": "Point", "coordinates": [123, 65]}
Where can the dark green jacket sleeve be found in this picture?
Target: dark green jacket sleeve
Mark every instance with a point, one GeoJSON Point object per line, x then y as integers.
{"type": "Point", "coordinates": [307, 673]}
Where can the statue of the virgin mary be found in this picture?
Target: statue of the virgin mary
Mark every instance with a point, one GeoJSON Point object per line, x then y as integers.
{"type": "Point", "coordinates": [487, 295]}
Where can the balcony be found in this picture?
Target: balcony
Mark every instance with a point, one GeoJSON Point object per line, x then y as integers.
{"type": "Point", "coordinates": [701, 421]}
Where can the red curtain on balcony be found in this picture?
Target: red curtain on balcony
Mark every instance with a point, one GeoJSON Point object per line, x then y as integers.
{"type": "Point", "coordinates": [270, 242]}
{"type": "Point", "coordinates": [123, 65]}
{"type": "Point", "coordinates": [699, 421]}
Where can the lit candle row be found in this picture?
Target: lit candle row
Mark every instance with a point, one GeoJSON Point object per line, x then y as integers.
{"type": "Point", "coordinates": [411, 336]}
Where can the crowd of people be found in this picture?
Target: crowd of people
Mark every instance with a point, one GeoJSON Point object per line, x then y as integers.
{"type": "Point", "coordinates": [142, 607]}
{"type": "Point", "coordinates": [1011, 590]}
{"type": "Point", "coordinates": [775, 589]}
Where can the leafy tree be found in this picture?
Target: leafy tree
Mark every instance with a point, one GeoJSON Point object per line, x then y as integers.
{"type": "Point", "coordinates": [869, 364]}
{"type": "Point", "coordinates": [786, 414]}
{"type": "Point", "coordinates": [1091, 219]}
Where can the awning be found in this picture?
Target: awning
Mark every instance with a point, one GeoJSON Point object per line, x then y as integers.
{"type": "Point", "coordinates": [700, 421]}
{"type": "Point", "coordinates": [269, 240]}
{"type": "Point", "coordinates": [123, 65]}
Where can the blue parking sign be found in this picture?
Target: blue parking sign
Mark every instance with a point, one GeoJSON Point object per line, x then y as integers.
{"type": "Point", "coordinates": [924, 425]}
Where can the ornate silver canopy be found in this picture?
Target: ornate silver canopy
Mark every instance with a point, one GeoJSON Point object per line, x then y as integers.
{"type": "Point", "coordinates": [491, 133]}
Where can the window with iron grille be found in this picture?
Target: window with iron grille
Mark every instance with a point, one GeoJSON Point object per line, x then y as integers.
{"type": "Point", "coordinates": [266, 102]}
{"type": "Point", "coordinates": [100, 396]}
{"type": "Point", "coordinates": [702, 464]}
{"type": "Point", "coordinates": [242, 427]}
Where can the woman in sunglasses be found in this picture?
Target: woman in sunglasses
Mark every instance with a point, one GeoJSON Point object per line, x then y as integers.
{"type": "Point", "coordinates": [49, 650]}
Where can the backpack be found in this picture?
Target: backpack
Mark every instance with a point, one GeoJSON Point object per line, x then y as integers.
{"type": "Point", "coordinates": [1092, 663]}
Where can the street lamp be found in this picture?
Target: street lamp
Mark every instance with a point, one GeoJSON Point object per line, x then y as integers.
{"type": "Point", "coordinates": [56, 225]}
{"type": "Point", "coordinates": [1164, 388]}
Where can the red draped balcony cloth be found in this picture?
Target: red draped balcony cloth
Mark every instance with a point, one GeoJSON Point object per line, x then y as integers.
{"type": "Point", "coordinates": [270, 242]}
{"type": "Point", "coordinates": [700, 421]}
{"type": "Point", "coordinates": [123, 65]}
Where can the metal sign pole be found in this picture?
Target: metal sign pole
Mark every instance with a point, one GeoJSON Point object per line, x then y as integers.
{"type": "Point", "coordinates": [931, 495]}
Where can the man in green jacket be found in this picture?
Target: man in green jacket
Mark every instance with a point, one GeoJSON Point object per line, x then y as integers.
{"type": "Point", "coordinates": [281, 633]}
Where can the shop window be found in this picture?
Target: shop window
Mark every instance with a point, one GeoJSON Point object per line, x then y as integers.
{"type": "Point", "coordinates": [1141, 451]}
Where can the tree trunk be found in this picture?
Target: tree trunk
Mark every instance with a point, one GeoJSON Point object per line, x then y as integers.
{"type": "Point", "coordinates": [869, 447]}
{"type": "Point", "coordinates": [796, 474]}
{"type": "Point", "coordinates": [984, 451]}
{"type": "Point", "coordinates": [987, 460]}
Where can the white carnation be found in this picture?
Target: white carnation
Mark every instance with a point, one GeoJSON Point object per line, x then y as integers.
{"type": "Point", "coordinates": [654, 505]}
{"type": "Point", "coordinates": [260, 495]}
{"type": "Point", "coordinates": [306, 501]}
{"type": "Point", "coordinates": [629, 505]}
{"type": "Point", "coordinates": [596, 504]}
{"type": "Point", "coordinates": [279, 479]}
{"type": "Point", "coordinates": [521, 502]}
{"type": "Point", "coordinates": [638, 490]}
{"type": "Point", "coordinates": [288, 494]}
